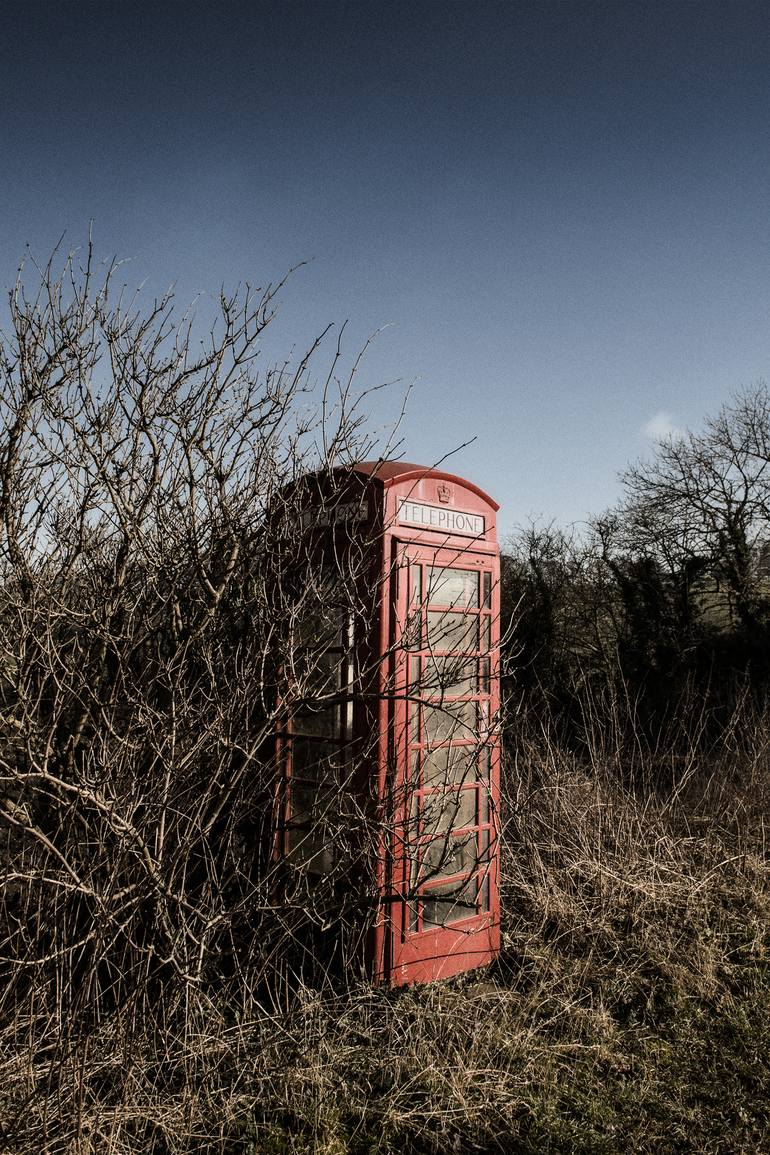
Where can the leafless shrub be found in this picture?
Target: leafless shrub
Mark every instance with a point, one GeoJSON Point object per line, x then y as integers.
{"type": "Point", "coordinates": [156, 580]}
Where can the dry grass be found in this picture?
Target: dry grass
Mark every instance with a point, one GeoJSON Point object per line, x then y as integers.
{"type": "Point", "coordinates": [629, 1011]}
{"type": "Point", "coordinates": [158, 577]}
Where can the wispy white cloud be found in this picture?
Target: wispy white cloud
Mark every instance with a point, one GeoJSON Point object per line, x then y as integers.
{"type": "Point", "coordinates": [660, 425]}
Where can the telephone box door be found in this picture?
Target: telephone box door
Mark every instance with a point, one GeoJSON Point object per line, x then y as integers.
{"type": "Point", "coordinates": [445, 909]}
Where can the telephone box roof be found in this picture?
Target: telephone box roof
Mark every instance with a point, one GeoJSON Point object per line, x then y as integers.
{"type": "Point", "coordinates": [390, 472]}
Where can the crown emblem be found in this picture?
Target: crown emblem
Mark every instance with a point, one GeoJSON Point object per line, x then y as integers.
{"type": "Point", "coordinates": [444, 493]}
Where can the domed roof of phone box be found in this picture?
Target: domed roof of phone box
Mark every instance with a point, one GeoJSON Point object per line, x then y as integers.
{"type": "Point", "coordinates": [390, 472]}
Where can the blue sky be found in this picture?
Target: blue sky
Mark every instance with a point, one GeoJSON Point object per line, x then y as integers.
{"type": "Point", "coordinates": [557, 213]}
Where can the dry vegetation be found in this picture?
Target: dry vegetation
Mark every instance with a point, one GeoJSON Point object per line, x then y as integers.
{"type": "Point", "coordinates": [629, 1012]}
{"type": "Point", "coordinates": [150, 994]}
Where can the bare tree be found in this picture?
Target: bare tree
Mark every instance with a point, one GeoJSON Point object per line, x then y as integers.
{"type": "Point", "coordinates": [702, 502]}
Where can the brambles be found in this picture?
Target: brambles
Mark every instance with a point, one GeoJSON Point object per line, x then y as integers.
{"type": "Point", "coordinates": [630, 1005]}
{"type": "Point", "coordinates": [155, 597]}
{"type": "Point", "coordinates": [153, 569]}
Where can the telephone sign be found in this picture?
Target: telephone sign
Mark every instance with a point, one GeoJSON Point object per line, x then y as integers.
{"type": "Point", "coordinates": [440, 517]}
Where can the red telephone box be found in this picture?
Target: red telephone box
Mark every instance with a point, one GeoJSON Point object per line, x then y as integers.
{"type": "Point", "coordinates": [415, 702]}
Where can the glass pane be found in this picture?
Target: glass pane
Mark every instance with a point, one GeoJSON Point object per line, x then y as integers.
{"type": "Point", "coordinates": [484, 720]}
{"type": "Point", "coordinates": [315, 760]}
{"type": "Point", "coordinates": [311, 848]}
{"type": "Point", "coordinates": [412, 639]}
{"type": "Point", "coordinates": [449, 631]}
{"type": "Point", "coordinates": [483, 805]}
{"type": "Point", "coordinates": [414, 869]}
{"type": "Point", "coordinates": [485, 623]}
{"type": "Point", "coordinates": [453, 587]}
{"type": "Point", "coordinates": [449, 766]}
{"type": "Point", "coordinates": [324, 673]}
{"type": "Point", "coordinates": [448, 903]}
{"type": "Point", "coordinates": [448, 810]}
{"type": "Point", "coordinates": [414, 723]}
{"type": "Point", "coordinates": [321, 722]}
{"type": "Point", "coordinates": [416, 768]}
{"type": "Point", "coordinates": [484, 892]}
{"type": "Point", "coordinates": [485, 852]}
{"type": "Point", "coordinates": [454, 720]}
{"type": "Point", "coordinates": [484, 676]}
{"type": "Point", "coordinates": [309, 801]}
{"type": "Point", "coordinates": [320, 677]}
{"type": "Point", "coordinates": [449, 855]}
{"type": "Point", "coordinates": [487, 590]}
{"type": "Point", "coordinates": [414, 675]}
{"type": "Point", "coordinates": [416, 591]}
{"type": "Point", "coordinates": [413, 823]}
{"type": "Point", "coordinates": [321, 626]}
{"type": "Point", "coordinates": [440, 911]}
{"type": "Point", "coordinates": [450, 675]}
